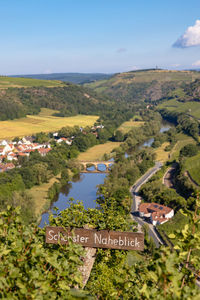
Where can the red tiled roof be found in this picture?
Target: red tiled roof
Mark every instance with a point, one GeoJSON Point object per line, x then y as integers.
{"type": "Point", "coordinates": [154, 207]}
{"type": "Point", "coordinates": [44, 150]}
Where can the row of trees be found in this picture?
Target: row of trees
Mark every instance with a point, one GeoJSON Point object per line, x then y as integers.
{"type": "Point", "coordinates": [188, 125]}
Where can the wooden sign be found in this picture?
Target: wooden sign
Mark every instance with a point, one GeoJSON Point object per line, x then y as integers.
{"type": "Point", "coordinates": [96, 239]}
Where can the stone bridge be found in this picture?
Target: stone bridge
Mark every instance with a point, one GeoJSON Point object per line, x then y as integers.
{"type": "Point", "coordinates": [95, 164]}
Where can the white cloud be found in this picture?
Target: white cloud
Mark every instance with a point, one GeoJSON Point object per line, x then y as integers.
{"type": "Point", "coordinates": [190, 38]}
{"type": "Point", "coordinates": [175, 65]}
{"type": "Point", "coordinates": [196, 63]}
{"type": "Point", "coordinates": [121, 50]}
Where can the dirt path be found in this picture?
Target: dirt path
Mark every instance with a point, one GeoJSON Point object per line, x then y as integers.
{"type": "Point", "coordinates": [168, 178]}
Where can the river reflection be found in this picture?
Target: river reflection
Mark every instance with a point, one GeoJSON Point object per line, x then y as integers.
{"type": "Point", "coordinates": [83, 188]}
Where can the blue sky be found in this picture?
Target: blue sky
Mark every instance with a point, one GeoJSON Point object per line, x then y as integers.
{"type": "Point", "coordinates": [48, 36]}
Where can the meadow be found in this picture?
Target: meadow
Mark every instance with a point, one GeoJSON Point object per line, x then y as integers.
{"type": "Point", "coordinates": [96, 152]}
{"type": "Point", "coordinates": [144, 76]}
{"type": "Point", "coordinates": [161, 154]}
{"type": "Point", "coordinates": [44, 122]}
{"type": "Point", "coordinates": [7, 82]}
{"type": "Point", "coordinates": [39, 194]}
{"type": "Point", "coordinates": [127, 126]}
{"type": "Point", "coordinates": [192, 108]}
{"type": "Point", "coordinates": [192, 165]}
{"type": "Point", "coordinates": [182, 140]}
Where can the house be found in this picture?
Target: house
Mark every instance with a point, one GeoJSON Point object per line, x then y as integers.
{"type": "Point", "coordinates": [157, 213]}
{"type": "Point", "coordinates": [66, 140]}
{"type": "Point", "coordinates": [11, 156]}
{"type": "Point", "coordinates": [5, 149]}
{"type": "Point", "coordinates": [6, 167]}
{"type": "Point", "coordinates": [3, 143]}
{"type": "Point", "coordinates": [26, 141]}
{"type": "Point", "coordinates": [44, 151]}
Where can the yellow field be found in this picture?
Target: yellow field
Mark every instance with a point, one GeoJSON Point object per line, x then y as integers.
{"type": "Point", "coordinates": [97, 152]}
{"type": "Point", "coordinates": [126, 126]}
{"type": "Point", "coordinates": [39, 194]}
{"type": "Point", "coordinates": [43, 122]}
{"type": "Point", "coordinates": [161, 154]}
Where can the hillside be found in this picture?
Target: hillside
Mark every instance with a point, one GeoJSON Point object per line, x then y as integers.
{"type": "Point", "coordinates": [143, 85]}
{"type": "Point", "coordinates": [43, 122]}
{"type": "Point", "coordinates": [68, 99]}
{"type": "Point", "coordinates": [8, 82]}
{"type": "Point", "coordinates": [77, 78]}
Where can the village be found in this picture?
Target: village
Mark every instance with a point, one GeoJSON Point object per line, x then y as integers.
{"type": "Point", "coordinates": [11, 151]}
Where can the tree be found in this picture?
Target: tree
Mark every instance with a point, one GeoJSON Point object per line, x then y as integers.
{"type": "Point", "coordinates": [119, 137]}
{"type": "Point", "coordinates": [41, 172]}
{"type": "Point", "coordinates": [41, 137]}
{"type": "Point", "coordinates": [189, 150]}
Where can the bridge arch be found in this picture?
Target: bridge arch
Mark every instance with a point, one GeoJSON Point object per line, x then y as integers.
{"type": "Point", "coordinates": [96, 164]}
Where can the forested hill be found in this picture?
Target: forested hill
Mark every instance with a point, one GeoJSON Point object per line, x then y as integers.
{"type": "Point", "coordinates": [144, 85]}
{"type": "Point", "coordinates": [68, 99]}
{"type": "Point", "coordinates": [77, 78]}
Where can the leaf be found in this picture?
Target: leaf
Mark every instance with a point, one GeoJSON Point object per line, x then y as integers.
{"type": "Point", "coordinates": [177, 247]}
{"type": "Point", "coordinates": [172, 236]}
{"type": "Point", "coordinates": [63, 285]}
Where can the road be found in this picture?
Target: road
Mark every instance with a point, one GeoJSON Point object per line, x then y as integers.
{"type": "Point", "coordinates": [137, 199]}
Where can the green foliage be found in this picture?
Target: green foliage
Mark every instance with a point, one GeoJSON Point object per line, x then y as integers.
{"type": "Point", "coordinates": [32, 269]}
{"type": "Point", "coordinates": [189, 150]}
{"type": "Point", "coordinates": [53, 191]}
{"type": "Point", "coordinates": [41, 138]}
{"type": "Point", "coordinates": [188, 125]}
{"type": "Point", "coordinates": [119, 137]}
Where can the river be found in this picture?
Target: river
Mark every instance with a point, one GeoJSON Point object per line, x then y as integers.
{"type": "Point", "coordinates": [84, 188]}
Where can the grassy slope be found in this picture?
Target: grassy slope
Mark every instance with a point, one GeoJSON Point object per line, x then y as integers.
{"type": "Point", "coordinates": [176, 223]}
{"type": "Point", "coordinates": [191, 107]}
{"type": "Point", "coordinates": [126, 126]}
{"type": "Point", "coordinates": [183, 140]}
{"type": "Point", "coordinates": [192, 165]}
{"type": "Point", "coordinates": [137, 86]}
{"type": "Point", "coordinates": [43, 122]}
{"type": "Point", "coordinates": [7, 82]}
{"type": "Point", "coordinates": [39, 194]}
{"type": "Point", "coordinates": [161, 154]}
{"type": "Point", "coordinates": [145, 76]}
{"type": "Point", "coordinates": [97, 152]}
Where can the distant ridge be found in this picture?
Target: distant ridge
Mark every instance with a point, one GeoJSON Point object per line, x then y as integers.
{"type": "Point", "coordinates": [77, 78]}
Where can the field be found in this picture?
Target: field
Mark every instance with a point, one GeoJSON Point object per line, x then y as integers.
{"type": "Point", "coordinates": [44, 122]}
{"type": "Point", "coordinates": [39, 194]}
{"type": "Point", "coordinates": [161, 154]}
{"type": "Point", "coordinates": [183, 140]}
{"type": "Point", "coordinates": [192, 108]}
{"type": "Point", "coordinates": [192, 165]}
{"type": "Point", "coordinates": [6, 82]}
{"type": "Point", "coordinates": [97, 152]}
{"type": "Point", "coordinates": [127, 126]}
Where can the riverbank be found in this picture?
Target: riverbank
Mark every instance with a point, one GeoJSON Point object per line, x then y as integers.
{"type": "Point", "coordinates": [97, 152]}
{"type": "Point", "coordinates": [85, 188]}
{"type": "Point", "coordinates": [39, 194]}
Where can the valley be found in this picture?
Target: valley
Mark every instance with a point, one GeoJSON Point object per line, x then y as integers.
{"type": "Point", "coordinates": [82, 124]}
